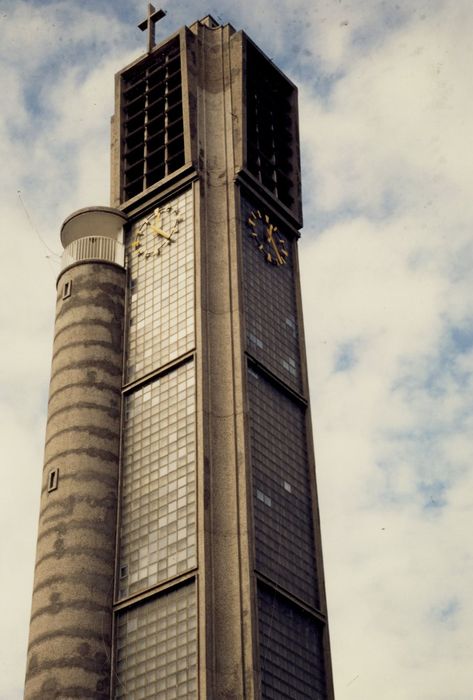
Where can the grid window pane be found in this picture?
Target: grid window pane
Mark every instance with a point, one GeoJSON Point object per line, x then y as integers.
{"type": "Point", "coordinates": [281, 489]}
{"type": "Point", "coordinates": [157, 524]}
{"type": "Point", "coordinates": [291, 650]}
{"type": "Point", "coordinates": [161, 287]}
{"type": "Point", "coordinates": [270, 307]}
{"type": "Point", "coordinates": [156, 655]}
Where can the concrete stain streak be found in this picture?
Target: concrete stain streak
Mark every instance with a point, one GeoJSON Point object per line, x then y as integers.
{"type": "Point", "coordinates": [94, 582]}
{"type": "Point", "coordinates": [100, 386]}
{"type": "Point", "coordinates": [100, 554]}
{"type": "Point", "coordinates": [70, 692]}
{"type": "Point", "coordinates": [107, 367]}
{"type": "Point", "coordinates": [64, 527]}
{"type": "Point", "coordinates": [93, 323]}
{"type": "Point", "coordinates": [106, 344]}
{"type": "Point", "coordinates": [83, 298]}
{"type": "Point", "coordinates": [92, 430]}
{"type": "Point", "coordinates": [92, 452]}
{"type": "Point", "coordinates": [78, 633]}
{"type": "Point", "coordinates": [79, 604]}
{"type": "Point", "coordinates": [66, 507]}
{"type": "Point", "coordinates": [84, 662]}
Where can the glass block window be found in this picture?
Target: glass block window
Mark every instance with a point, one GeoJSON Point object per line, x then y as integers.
{"type": "Point", "coordinates": [161, 294]}
{"type": "Point", "coordinates": [283, 521]}
{"type": "Point", "coordinates": [291, 650]}
{"type": "Point", "coordinates": [152, 119]}
{"type": "Point", "coordinates": [272, 150]}
{"type": "Point", "coordinates": [156, 648]}
{"type": "Point", "coordinates": [157, 521]}
{"type": "Point", "coordinates": [270, 306]}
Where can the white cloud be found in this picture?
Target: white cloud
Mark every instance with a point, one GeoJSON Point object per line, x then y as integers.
{"type": "Point", "coordinates": [387, 287]}
{"type": "Point", "coordinates": [394, 127]}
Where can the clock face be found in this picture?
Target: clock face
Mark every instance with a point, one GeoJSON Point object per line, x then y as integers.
{"type": "Point", "coordinates": [267, 238]}
{"type": "Point", "coordinates": [156, 231]}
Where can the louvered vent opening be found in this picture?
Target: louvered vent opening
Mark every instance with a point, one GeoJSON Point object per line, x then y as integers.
{"type": "Point", "coordinates": [153, 128]}
{"type": "Point", "coordinates": [270, 127]}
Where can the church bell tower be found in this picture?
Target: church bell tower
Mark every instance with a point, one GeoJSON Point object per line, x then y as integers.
{"type": "Point", "coordinates": [179, 550]}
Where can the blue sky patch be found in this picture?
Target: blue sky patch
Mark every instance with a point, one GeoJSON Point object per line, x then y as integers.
{"type": "Point", "coordinates": [346, 357]}
{"type": "Point", "coordinates": [462, 337]}
{"type": "Point", "coordinates": [433, 494]}
{"type": "Point", "coordinates": [446, 613]}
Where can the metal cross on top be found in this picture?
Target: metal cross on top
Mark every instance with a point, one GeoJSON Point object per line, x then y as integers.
{"type": "Point", "coordinates": [149, 24]}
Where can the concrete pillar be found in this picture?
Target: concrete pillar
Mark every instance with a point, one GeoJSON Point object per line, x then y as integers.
{"type": "Point", "coordinates": [69, 649]}
{"type": "Point", "coordinates": [229, 568]}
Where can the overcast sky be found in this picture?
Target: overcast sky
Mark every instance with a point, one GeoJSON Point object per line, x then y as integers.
{"type": "Point", "coordinates": [386, 107]}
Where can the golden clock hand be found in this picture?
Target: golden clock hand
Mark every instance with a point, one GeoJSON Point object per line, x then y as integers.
{"type": "Point", "coordinates": [269, 235]}
{"type": "Point", "coordinates": [157, 226]}
{"type": "Point", "coordinates": [160, 232]}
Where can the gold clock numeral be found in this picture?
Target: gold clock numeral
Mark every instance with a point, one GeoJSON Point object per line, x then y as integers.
{"type": "Point", "coordinates": [267, 238]}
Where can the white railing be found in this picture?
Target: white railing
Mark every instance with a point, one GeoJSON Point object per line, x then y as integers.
{"type": "Point", "coordinates": [93, 248]}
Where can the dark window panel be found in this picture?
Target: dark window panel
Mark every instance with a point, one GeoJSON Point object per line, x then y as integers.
{"type": "Point", "coordinates": [133, 174]}
{"type": "Point", "coordinates": [131, 158]}
{"type": "Point", "coordinates": [175, 130]}
{"type": "Point", "coordinates": [156, 139]}
{"type": "Point", "coordinates": [174, 81]}
{"type": "Point", "coordinates": [134, 124]}
{"type": "Point", "coordinates": [282, 503]}
{"type": "Point", "coordinates": [156, 160]}
{"type": "Point", "coordinates": [177, 161]}
{"type": "Point", "coordinates": [174, 147]}
{"type": "Point", "coordinates": [155, 175]}
{"type": "Point", "coordinates": [291, 650]}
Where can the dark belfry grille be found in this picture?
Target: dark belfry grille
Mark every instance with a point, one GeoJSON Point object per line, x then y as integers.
{"type": "Point", "coordinates": [291, 650]}
{"type": "Point", "coordinates": [153, 128]}
{"type": "Point", "coordinates": [270, 126]}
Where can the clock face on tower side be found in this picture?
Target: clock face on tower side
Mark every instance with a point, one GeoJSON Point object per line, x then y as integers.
{"type": "Point", "coordinates": [267, 237]}
{"type": "Point", "coordinates": [157, 230]}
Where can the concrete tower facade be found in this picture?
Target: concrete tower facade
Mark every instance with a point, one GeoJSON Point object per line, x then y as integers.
{"type": "Point", "coordinates": [193, 422]}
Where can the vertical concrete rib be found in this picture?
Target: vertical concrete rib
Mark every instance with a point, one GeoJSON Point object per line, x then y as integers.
{"type": "Point", "coordinates": [230, 656]}
{"type": "Point", "coordinates": [70, 630]}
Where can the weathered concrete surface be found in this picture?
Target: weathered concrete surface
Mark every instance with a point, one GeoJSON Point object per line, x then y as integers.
{"type": "Point", "coordinates": [70, 632]}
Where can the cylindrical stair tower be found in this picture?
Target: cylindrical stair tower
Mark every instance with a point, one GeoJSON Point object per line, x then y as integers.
{"type": "Point", "coordinates": [70, 631]}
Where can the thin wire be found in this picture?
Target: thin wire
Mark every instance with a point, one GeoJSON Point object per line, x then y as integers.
{"type": "Point", "coordinates": [30, 221]}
